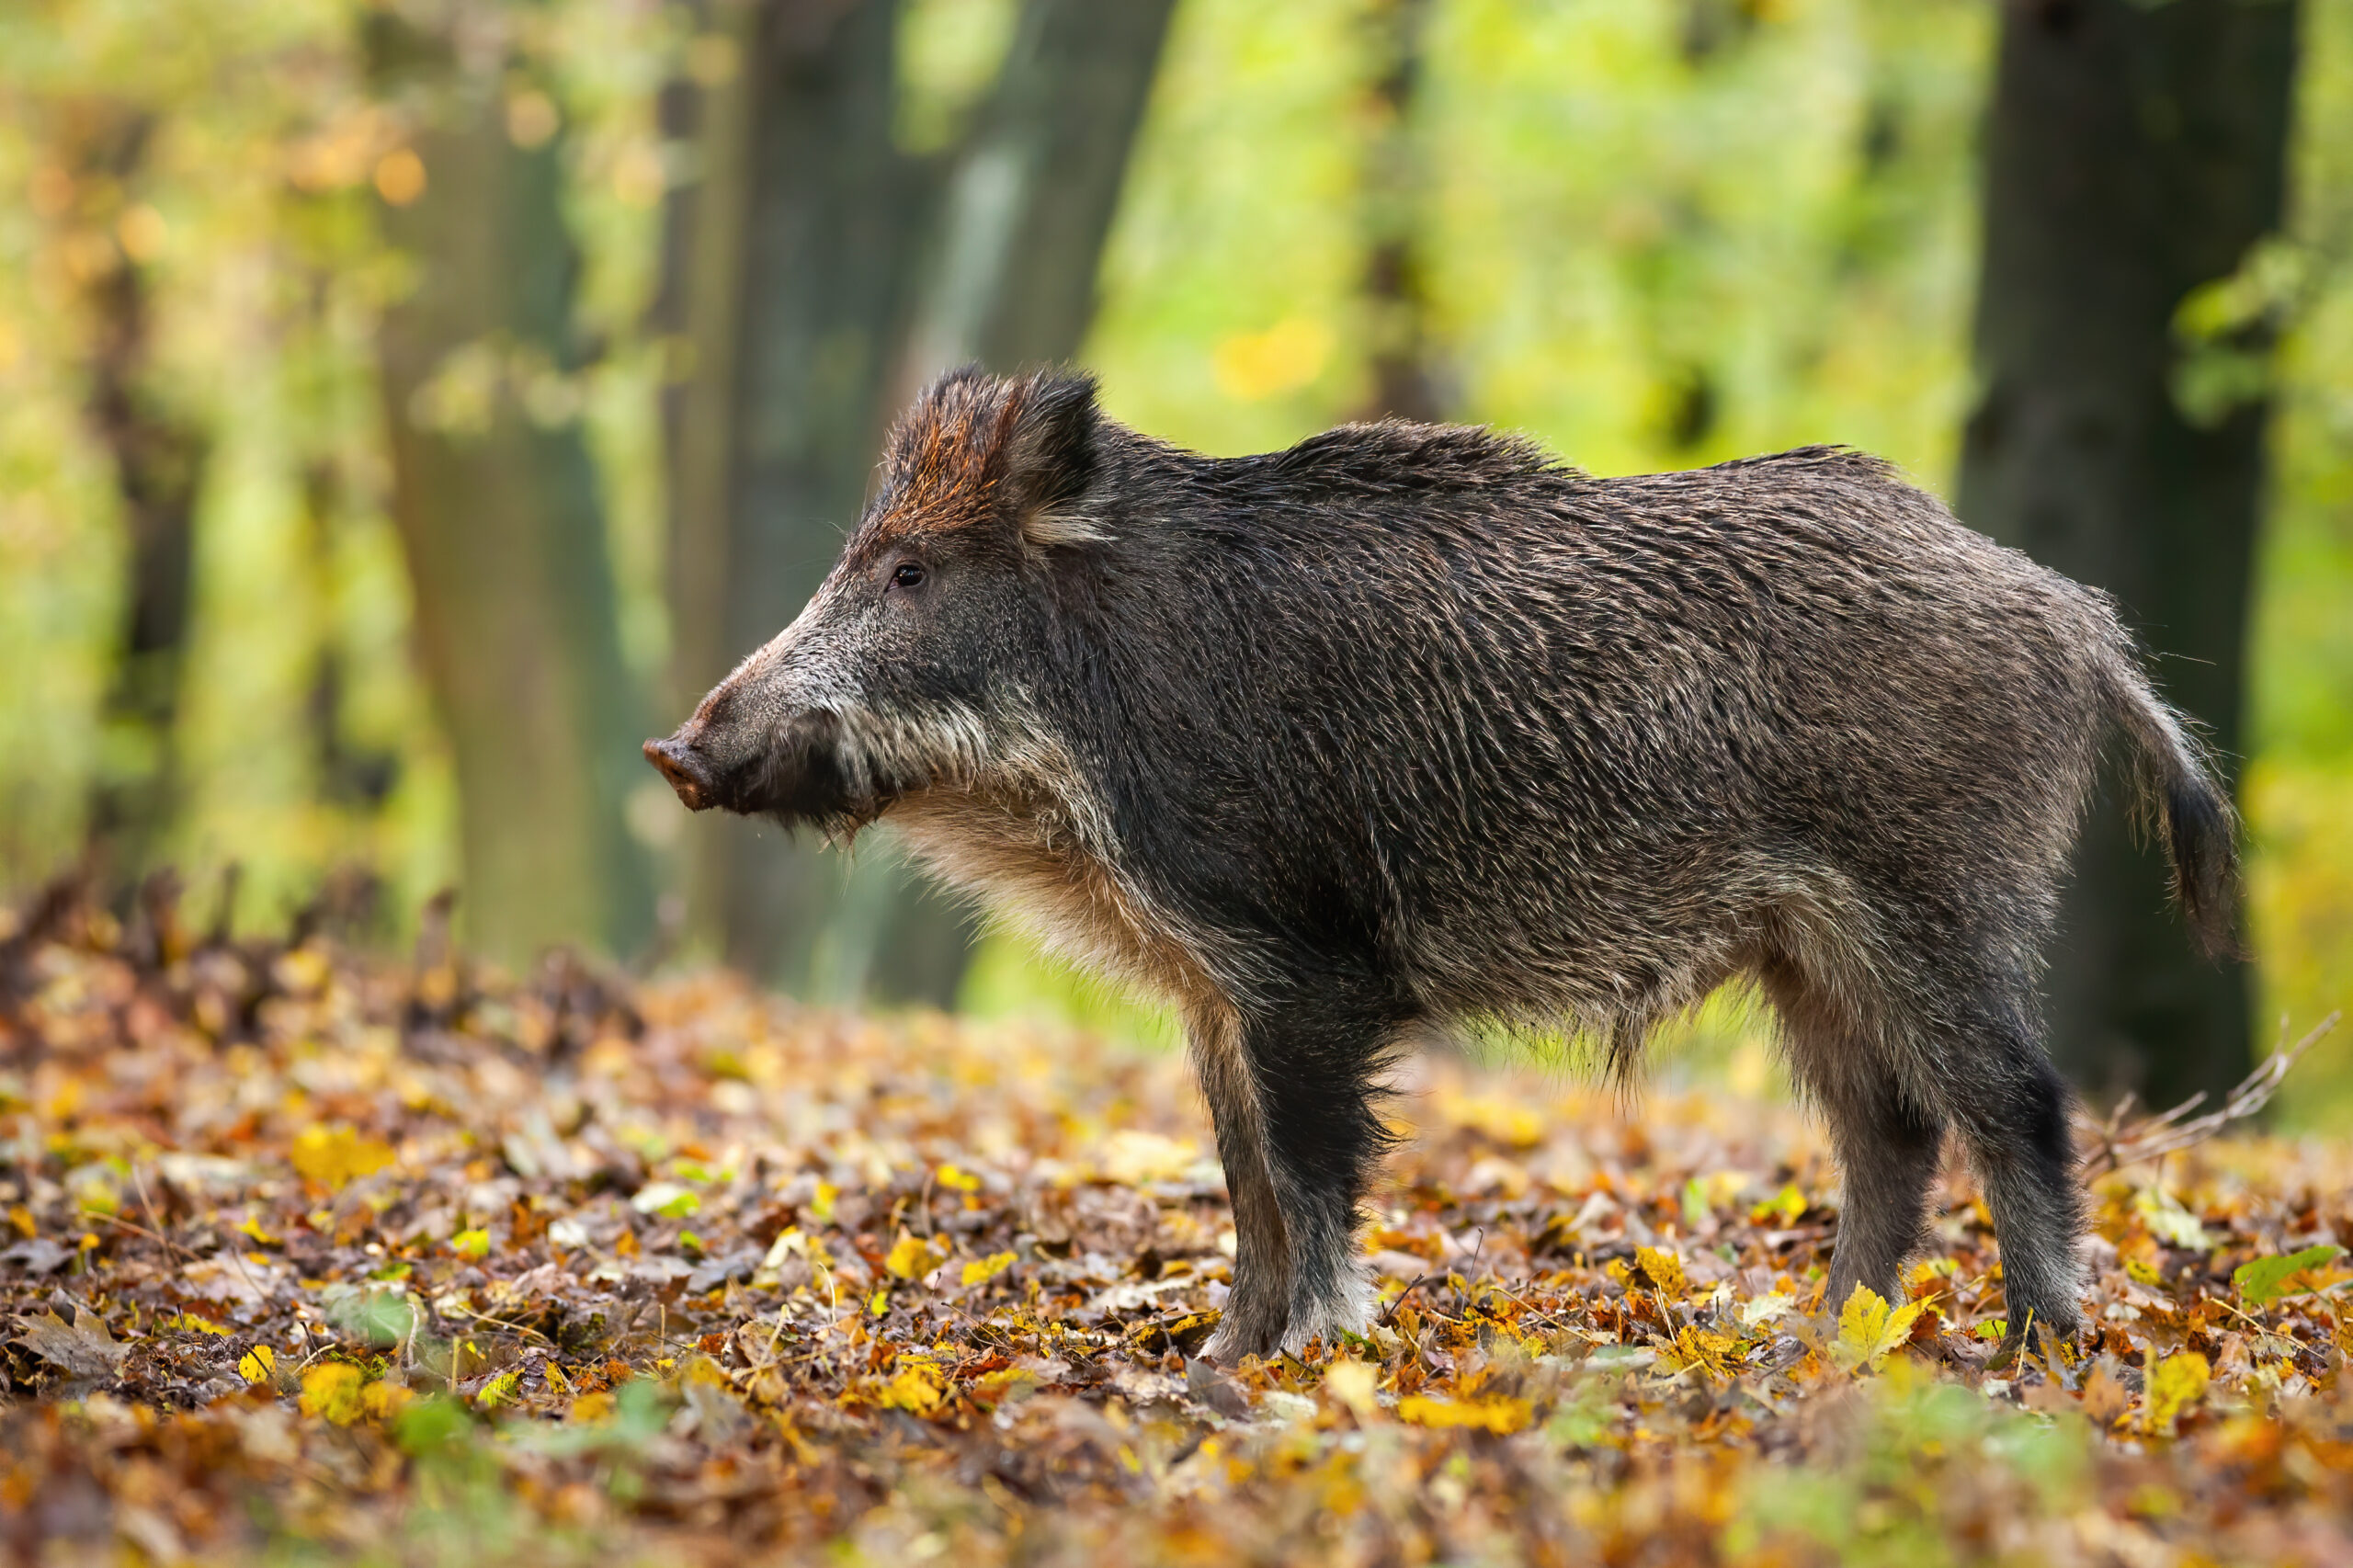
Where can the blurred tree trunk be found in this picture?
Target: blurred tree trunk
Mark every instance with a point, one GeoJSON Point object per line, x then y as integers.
{"type": "Point", "coordinates": [810, 313]}
{"type": "Point", "coordinates": [791, 269]}
{"type": "Point", "coordinates": [1019, 238]}
{"type": "Point", "coordinates": [1396, 293]}
{"type": "Point", "coordinates": [158, 459]}
{"type": "Point", "coordinates": [2134, 153]}
{"type": "Point", "coordinates": [496, 502]}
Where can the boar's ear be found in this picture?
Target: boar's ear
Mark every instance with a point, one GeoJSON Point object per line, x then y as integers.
{"type": "Point", "coordinates": [1049, 461]}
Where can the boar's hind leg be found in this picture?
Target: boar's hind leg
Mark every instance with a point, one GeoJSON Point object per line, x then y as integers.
{"type": "Point", "coordinates": [2012, 1108]}
{"type": "Point", "coordinates": [1888, 1143]}
{"type": "Point", "coordinates": [1293, 1093]}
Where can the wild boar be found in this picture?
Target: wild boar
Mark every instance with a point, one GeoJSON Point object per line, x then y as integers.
{"type": "Point", "coordinates": [1411, 727]}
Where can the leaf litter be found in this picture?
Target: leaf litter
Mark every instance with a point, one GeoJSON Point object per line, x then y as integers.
{"type": "Point", "coordinates": [313, 1255]}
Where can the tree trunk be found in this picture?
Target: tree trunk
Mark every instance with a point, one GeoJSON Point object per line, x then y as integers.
{"type": "Point", "coordinates": [789, 255]}
{"type": "Point", "coordinates": [497, 501]}
{"type": "Point", "coordinates": [1396, 294]}
{"type": "Point", "coordinates": [158, 456]}
{"type": "Point", "coordinates": [1019, 234]}
{"type": "Point", "coordinates": [810, 319]}
{"type": "Point", "coordinates": [2134, 153]}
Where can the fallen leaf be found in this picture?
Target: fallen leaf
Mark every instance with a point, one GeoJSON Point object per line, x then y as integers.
{"type": "Point", "coordinates": [2174, 1385]}
{"type": "Point", "coordinates": [335, 1156]}
{"type": "Point", "coordinates": [1502, 1416]}
{"type": "Point", "coordinates": [2265, 1281]}
{"type": "Point", "coordinates": [666, 1200]}
{"type": "Point", "coordinates": [909, 1257]}
{"type": "Point", "coordinates": [1698, 1349]}
{"type": "Point", "coordinates": [83, 1348]}
{"type": "Point", "coordinates": [331, 1389]}
{"type": "Point", "coordinates": [1664, 1270]}
{"type": "Point", "coordinates": [1783, 1208]}
{"type": "Point", "coordinates": [919, 1390]}
{"type": "Point", "coordinates": [988, 1268]}
{"type": "Point", "coordinates": [1354, 1383]}
{"type": "Point", "coordinates": [2167, 1219]}
{"type": "Point", "coordinates": [1869, 1330]}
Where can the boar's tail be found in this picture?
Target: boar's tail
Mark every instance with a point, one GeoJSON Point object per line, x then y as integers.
{"type": "Point", "coordinates": [2186, 802]}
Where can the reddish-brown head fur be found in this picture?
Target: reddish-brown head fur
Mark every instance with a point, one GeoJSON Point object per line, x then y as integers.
{"type": "Point", "coordinates": [975, 451]}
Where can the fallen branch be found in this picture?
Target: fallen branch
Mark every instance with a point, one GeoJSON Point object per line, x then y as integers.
{"type": "Point", "coordinates": [2116, 1144]}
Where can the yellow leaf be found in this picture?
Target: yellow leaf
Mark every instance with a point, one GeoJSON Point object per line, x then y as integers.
{"type": "Point", "coordinates": [988, 1268]}
{"type": "Point", "coordinates": [961, 1180]}
{"type": "Point", "coordinates": [821, 1207]}
{"type": "Point", "coordinates": [258, 1365]}
{"type": "Point", "coordinates": [1697, 1349]}
{"type": "Point", "coordinates": [473, 1246]}
{"type": "Point", "coordinates": [1354, 1383]}
{"type": "Point", "coordinates": [1663, 1270]}
{"type": "Point", "coordinates": [383, 1400]}
{"type": "Point", "coordinates": [499, 1391]}
{"type": "Point", "coordinates": [195, 1325]}
{"type": "Point", "coordinates": [907, 1257]}
{"type": "Point", "coordinates": [1784, 1205]}
{"type": "Point", "coordinates": [332, 1389]}
{"type": "Point", "coordinates": [333, 1156]}
{"type": "Point", "coordinates": [1501, 1416]}
{"type": "Point", "coordinates": [919, 1390]}
{"type": "Point", "coordinates": [910, 1258]}
{"type": "Point", "coordinates": [2174, 1385]}
{"type": "Point", "coordinates": [2162, 1215]}
{"type": "Point", "coordinates": [1868, 1330]}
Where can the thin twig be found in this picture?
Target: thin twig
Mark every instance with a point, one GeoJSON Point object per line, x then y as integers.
{"type": "Point", "coordinates": [2154, 1137]}
{"type": "Point", "coordinates": [115, 1220]}
{"type": "Point", "coordinates": [170, 1245]}
{"type": "Point", "coordinates": [1390, 1315]}
{"type": "Point", "coordinates": [500, 1323]}
{"type": "Point", "coordinates": [1478, 1247]}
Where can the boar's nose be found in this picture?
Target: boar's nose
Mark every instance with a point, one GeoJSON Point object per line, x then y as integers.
{"type": "Point", "coordinates": [687, 772]}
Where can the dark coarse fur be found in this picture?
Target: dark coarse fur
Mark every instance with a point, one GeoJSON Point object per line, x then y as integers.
{"type": "Point", "coordinates": [1410, 727]}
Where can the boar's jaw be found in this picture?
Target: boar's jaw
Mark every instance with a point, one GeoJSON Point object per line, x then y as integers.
{"type": "Point", "coordinates": [801, 777]}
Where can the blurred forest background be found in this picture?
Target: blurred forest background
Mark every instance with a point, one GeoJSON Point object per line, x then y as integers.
{"type": "Point", "coordinates": [407, 406]}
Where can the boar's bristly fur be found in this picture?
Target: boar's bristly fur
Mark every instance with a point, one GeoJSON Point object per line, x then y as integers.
{"type": "Point", "coordinates": [1412, 727]}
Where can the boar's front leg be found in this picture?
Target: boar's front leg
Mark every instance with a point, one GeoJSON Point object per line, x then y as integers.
{"type": "Point", "coordinates": [1292, 1092]}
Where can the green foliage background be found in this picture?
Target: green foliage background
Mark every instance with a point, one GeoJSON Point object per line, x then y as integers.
{"type": "Point", "coordinates": [1656, 232]}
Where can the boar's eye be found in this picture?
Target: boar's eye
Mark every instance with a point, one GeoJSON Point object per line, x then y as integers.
{"type": "Point", "coordinates": [908, 575]}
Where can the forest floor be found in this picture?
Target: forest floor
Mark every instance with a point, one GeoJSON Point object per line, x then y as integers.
{"type": "Point", "coordinates": [310, 1257]}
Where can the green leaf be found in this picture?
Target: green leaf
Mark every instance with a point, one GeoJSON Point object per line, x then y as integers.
{"type": "Point", "coordinates": [437, 1426]}
{"type": "Point", "coordinates": [666, 1200]}
{"type": "Point", "coordinates": [2265, 1280]}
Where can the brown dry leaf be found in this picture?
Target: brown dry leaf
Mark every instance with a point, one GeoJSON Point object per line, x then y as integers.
{"type": "Point", "coordinates": [654, 1279]}
{"type": "Point", "coordinates": [83, 1348]}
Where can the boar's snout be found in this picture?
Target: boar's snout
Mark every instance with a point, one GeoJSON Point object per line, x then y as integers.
{"type": "Point", "coordinates": [793, 771]}
{"type": "Point", "coordinates": [689, 772]}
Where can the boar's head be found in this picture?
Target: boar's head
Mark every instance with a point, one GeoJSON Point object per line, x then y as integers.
{"type": "Point", "coordinates": [913, 665]}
